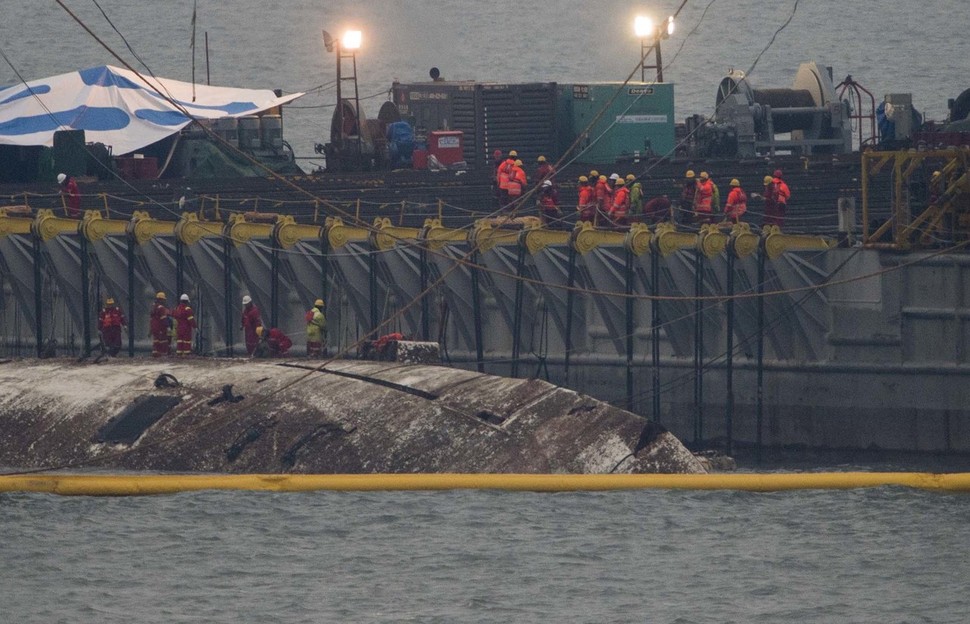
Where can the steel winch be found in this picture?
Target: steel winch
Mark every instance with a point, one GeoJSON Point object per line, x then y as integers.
{"type": "Point", "coordinates": [807, 118]}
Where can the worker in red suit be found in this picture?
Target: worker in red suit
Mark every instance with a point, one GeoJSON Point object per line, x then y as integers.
{"type": "Point", "coordinates": [110, 323]}
{"type": "Point", "coordinates": [544, 170]}
{"type": "Point", "coordinates": [160, 326]}
{"type": "Point", "coordinates": [184, 327]}
{"type": "Point", "coordinates": [621, 203]}
{"type": "Point", "coordinates": [273, 343]}
{"type": "Point", "coordinates": [586, 203]}
{"type": "Point", "coordinates": [250, 322]}
{"type": "Point", "coordinates": [656, 210]}
{"type": "Point", "coordinates": [548, 201]}
{"type": "Point", "coordinates": [70, 194]}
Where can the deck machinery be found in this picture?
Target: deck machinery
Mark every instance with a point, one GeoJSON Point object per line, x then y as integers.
{"type": "Point", "coordinates": [808, 118]}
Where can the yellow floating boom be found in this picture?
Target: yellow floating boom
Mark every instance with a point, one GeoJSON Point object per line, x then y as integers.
{"type": "Point", "coordinates": [142, 485]}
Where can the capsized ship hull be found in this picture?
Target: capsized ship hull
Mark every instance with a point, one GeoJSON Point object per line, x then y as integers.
{"type": "Point", "coordinates": [351, 417]}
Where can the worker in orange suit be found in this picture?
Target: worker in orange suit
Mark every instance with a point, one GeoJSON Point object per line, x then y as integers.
{"type": "Point", "coordinates": [185, 326]}
{"type": "Point", "coordinates": [621, 203]}
{"type": "Point", "coordinates": [110, 323]}
{"type": "Point", "coordinates": [782, 195]}
{"type": "Point", "coordinates": [703, 199]}
{"type": "Point", "coordinates": [586, 205]}
{"type": "Point", "coordinates": [517, 181]}
{"type": "Point", "coordinates": [737, 202]}
{"type": "Point", "coordinates": [503, 174]}
{"type": "Point", "coordinates": [160, 325]}
{"type": "Point", "coordinates": [604, 199]}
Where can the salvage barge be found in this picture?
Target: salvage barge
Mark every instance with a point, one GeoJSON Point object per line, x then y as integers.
{"type": "Point", "coordinates": [349, 417]}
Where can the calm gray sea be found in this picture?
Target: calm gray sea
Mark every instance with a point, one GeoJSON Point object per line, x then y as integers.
{"type": "Point", "coordinates": [886, 555]}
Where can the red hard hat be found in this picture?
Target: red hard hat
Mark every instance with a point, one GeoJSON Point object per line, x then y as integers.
{"type": "Point", "coordinates": [777, 173]}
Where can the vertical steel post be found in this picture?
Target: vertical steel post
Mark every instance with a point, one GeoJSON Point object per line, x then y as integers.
{"type": "Point", "coordinates": [372, 289]}
{"type": "Point", "coordinates": [729, 369]}
{"type": "Point", "coordinates": [85, 292]}
{"type": "Point", "coordinates": [655, 329]}
{"type": "Point", "coordinates": [38, 296]}
{"type": "Point", "coordinates": [425, 299]}
{"type": "Point", "coordinates": [325, 266]}
{"type": "Point", "coordinates": [761, 347]}
{"type": "Point", "coordinates": [477, 313]}
{"type": "Point", "coordinates": [130, 257]}
{"type": "Point", "coordinates": [179, 268]}
{"type": "Point", "coordinates": [698, 347]}
{"type": "Point", "coordinates": [629, 329]}
{"type": "Point", "coordinates": [274, 297]}
{"type": "Point", "coordinates": [570, 302]}
{"type": "Point", "coordinates": [227, 289]}
{"type": "Point", "coordinates": [517, 318]}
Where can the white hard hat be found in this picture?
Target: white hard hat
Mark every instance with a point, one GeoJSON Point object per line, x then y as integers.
{"type": "Point", "coordinates": [615, 177]}
{"type": "Point", "coordinates": [61, 177]}
{"type": "Point", "coordinates": [247, 300]}
{"type": "Point", "coordinates": [547, 183]}
{"type": "Point", "coordinates": [184, 297]}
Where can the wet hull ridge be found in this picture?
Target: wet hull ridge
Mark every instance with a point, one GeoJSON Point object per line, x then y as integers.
{"type": "Point", "coordinates": [351, 417]}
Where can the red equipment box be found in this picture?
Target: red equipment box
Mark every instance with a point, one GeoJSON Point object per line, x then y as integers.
{"type": "Point", "coordinates": [446, 146]}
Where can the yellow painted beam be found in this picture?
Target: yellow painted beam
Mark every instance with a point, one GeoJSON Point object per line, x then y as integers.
{"type": "Point", "coordinates": [437, 236]}
{"type": "Point", "coordinates": [14, 222]}
{"type": "Point", "coordinates": [144, 228]}
{"type": "Point", "coordinates": [587, 238]}
{"type": "Point", "coordinates": [48, 226]}
{"type": "Point", "coordinates": [339, 234]}
{"type": "Point", "coordinates": [387, 235]}
{"type": "Point", "coordinates": [190, 230]}
{"type": "Point", "coordinates": [95, 228]}
{"type": "Point", "coordinates": [140, 485]}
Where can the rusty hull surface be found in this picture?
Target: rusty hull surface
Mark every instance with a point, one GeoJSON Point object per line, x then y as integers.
{"type": "Point", "coordinates": [352, 417]}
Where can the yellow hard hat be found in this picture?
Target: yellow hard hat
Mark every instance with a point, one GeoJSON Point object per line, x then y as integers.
{"type": "Point", "coordinates": [602, 178]}
{"type": "Point", "coordinates": [318, 303]}
{"type": "Point", "coordinates": [630, 177]}
{"type": "Point", "coordinates": [513, 154]}
{"type": "Point", "coordinates": [518, 163]}
{"type": "Point", "coordinates": [583, 179]}
{"type": "Point", "coordinates": [704, 175]}
{"type": "Point", "coordinates": [621, 182]}
{"type": "Point", "coordinates": [109, 301]}
{"type": "Point", "coordinates": [594, 174]}
{"type": "Point", "coordinates": [937, 174]}
{"type": "Point", "coordinates": [541, 159]}
{"type": "Point", "coordinates": [769, 179]}
{"type": "Point", "coordinates": [160, 295]}
{"type": "Point", "coordinates": [690, 174]}
{"type": "Point", "coordinates": [735, 182]}
{"type": "Point", "coordinates": [259, 331]}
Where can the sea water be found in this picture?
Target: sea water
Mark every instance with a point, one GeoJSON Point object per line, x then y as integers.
{"type": "Point", "coordinates": [884, 555]}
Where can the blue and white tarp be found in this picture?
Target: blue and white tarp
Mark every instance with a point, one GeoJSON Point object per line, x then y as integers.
{"type": "Point", "coordinates": [116, 107]}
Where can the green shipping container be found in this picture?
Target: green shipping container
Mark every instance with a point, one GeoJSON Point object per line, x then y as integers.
{"type": "Point", "coordinates": [638, 123]}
